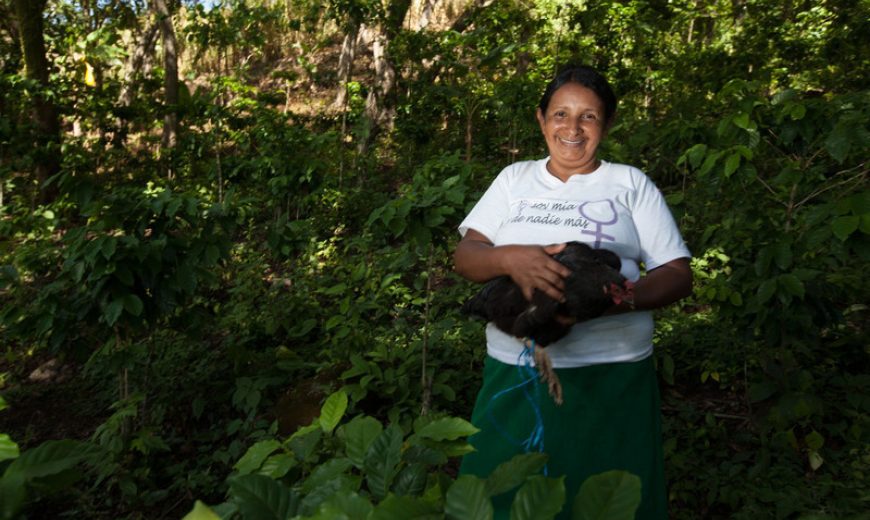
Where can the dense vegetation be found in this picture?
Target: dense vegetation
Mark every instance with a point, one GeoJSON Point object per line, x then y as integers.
{"type": "Point", "coordinates": [213, 217]}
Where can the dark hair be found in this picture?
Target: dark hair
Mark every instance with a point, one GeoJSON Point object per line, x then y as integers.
{"type": "Point", "coordinates": [589, 78]}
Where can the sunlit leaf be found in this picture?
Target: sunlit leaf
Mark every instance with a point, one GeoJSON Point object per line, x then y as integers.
{"type": "Point", "coordinates": [256, 454]}
{"type": "Point", "coordinates": [332, 411]}
{"type": "Point", "coordinates": [201, 511]}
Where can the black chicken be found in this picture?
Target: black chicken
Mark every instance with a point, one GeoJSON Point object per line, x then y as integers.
{"type": "Point", "coordinates": [593, 286]}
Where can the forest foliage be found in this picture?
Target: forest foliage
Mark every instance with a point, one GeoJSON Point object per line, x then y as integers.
{"type": "Point", "coordinates": [230, 223]}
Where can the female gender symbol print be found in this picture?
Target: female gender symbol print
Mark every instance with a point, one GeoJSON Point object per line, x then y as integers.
{"type": "Point", "coordinates": [599, 208]}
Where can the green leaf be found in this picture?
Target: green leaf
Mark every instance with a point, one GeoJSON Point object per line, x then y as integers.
{"type": "Point", "coordinates": [845, 226]}
{"type": "Point", "coordinates": [411, 480]}
{"type": "Point", "coordinates": [761, 390]}
{"type": "Point", "coordinates": [113, 311]}
{"type": "Point", "coordinates": [732, 163]}
{"type": "Point", "coordinates": [3, 404]}
{"type": "Point", "coordinates": [741, 120]}
{"type": "Point", "coordinates": [305, 440]}
{"type": "Point", "coordinates": [278, 465]}
{"type": "Point", "coordinates": [201, 511]}
{"type": "Point", "coordinates": [358, 436]}
{"type": "Point", "coordinates": [8, 448]}
{"type": "Point", "coordinates": [256, 454]}
{"type": "Point", "coordinates": [540, 498]}
{"type": "Point", "coordinates": [382, 459]}
{"type": "Point", "coordinates": [514, 472]}
{"type": "Point", "coordinates": [814, 440]}
{"type": "Point", "coordinates": [839, 142]}
{"type": "Point", "coordinates": [782, 255]}
{"type": "Point", "coordinates": [345, 504]}
{"type": "Point", "coordinates": [335, 289]}
{"type": "Point", "coordinates": [447, 428]}
{"type": "Point", "coordinates": [695, 154]}
{"type": "Point", "coordinates": [815, 459]}
{"type": "Point", "coordinates": [260, 497]}
{"type": "Point", "coordinates": [405, 508]}
{"type": "Point", "coordinates": [49, 458]}
{"type": "Point", "coordinates": [12, 495]}
{"type": "Point", "coordinates": [467, 500]}
{"type": "Point", "coordinates": [329, 470]}
{"type": "Point", "coordinates": [792, 285]}
{"type": "Point", "coordinates": [612, 495]}
{"type": "Point", "coordinates": [132, 304]}
{"type": "Point", "coordinates": [332, 411]}
{"type": "Point", "coordinates": [766, 290]}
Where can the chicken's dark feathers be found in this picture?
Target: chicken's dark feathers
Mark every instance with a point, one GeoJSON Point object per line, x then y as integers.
{"type": "Point", "coordinates": [593, 271]}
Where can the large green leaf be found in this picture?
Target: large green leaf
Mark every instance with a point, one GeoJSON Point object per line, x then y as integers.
{"type": "Point", "coordinates": [277, 465]}
{"type": "Point", "coordinates": [49, 458]}
{"type": "Point", "coordinates": [201, 511]}
{"type": "Point", "coordinates": [382, 460]}
{"type": "Point", "coordinates": [447, 428]}
{"type": "Point", "coordinates": [467, 500]}
{"type": "Point", "coordinates": [262, 498]}
{"type": "Point", "coordinates": [405, 508]}
{"type": "Point", "coordinates": [332, 411]}
{"type": "Point", "coordinates": [256, 454]}
{"type": "Point", "coordinates": [612, 495]}
{"type": "Point", "coordinates": [344, 505]}
{"type": "Point", "coordinates": [514, 472]}
{"type": "Point", "coordinates": [325, 472]}
{"type": "Point", "coordinates": [12, 495]}
{"type": "Point", "coordinates": [8, 448]}
{"type": "Point", "coordinates": [358, 436]}
{"type": "Point", "coordinates": [411, 480]}
{"type": "Point", "coordinates": [845, 226]}
{"type": "Point", "coordinates": [540, 498]}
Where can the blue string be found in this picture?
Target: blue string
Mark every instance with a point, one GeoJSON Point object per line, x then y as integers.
{"type": "Point", "coordinates": [528, 378]}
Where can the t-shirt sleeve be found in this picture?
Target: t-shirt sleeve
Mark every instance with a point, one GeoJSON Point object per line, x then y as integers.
{"type": "Point", "coordinates": [660, 239]}
{"type": "Point", "coordinates": [491, 210]}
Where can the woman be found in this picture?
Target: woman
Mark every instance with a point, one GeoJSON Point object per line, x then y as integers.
{"type": "Point", "coordinates": [610, 418]}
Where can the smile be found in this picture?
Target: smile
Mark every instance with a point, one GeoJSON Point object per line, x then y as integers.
{"type": "Point", "coordinates": [568, 141]}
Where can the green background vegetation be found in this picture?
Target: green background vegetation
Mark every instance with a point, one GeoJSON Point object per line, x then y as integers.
{"type": "Point", "coordinates": [213, 218]}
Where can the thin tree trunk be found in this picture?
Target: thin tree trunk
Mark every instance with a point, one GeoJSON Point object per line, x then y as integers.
{"type": "Point", "coordinates": [170, 80]}
{"type": "Point", "coordinates": [134, 68]}
{"type": "Point", "coordinates": [379, 111]}
{"type": "Point", "coordinates": [345, 66]}
{"type": "Point", "coordinates": [44, 113]}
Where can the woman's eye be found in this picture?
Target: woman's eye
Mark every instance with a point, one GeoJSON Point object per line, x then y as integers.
{"type": "Point", "coordinates": [590, 117]}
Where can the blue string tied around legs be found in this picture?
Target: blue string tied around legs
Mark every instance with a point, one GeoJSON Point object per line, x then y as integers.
{"type": "Point", "coordinates": [532, 390]}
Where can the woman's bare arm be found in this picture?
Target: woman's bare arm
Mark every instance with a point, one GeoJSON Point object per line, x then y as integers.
{"type": "Point", "coordinates": [662, 286]}
{"type": "Point", "coordinates": [531, 267]}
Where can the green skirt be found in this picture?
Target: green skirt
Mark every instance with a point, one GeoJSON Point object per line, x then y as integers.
{"type": "Point", "coordinates": [610, 420]}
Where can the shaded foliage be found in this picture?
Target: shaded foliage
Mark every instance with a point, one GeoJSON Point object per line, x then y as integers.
{"type": "Point", "coordinates": [280, 264]}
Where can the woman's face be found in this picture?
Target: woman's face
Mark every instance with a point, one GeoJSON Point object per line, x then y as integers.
{"type": "Point", "coordinates": [573, 127]}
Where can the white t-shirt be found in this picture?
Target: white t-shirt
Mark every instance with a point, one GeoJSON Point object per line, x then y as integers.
{"type": "Point", "coordinates": [616, 207]}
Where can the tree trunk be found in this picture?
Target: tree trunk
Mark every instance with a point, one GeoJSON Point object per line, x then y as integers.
{"type": "Point", "coordinates": [345, 66]}
{"type": "Point", "coordinates": [135, 66]}
{"type": "Point", "coordinates": [170, 80]}
{"type": "Point", "coordinates": [44, 113]}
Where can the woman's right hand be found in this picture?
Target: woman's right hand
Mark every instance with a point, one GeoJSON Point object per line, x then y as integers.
{"type": "Point", "coordinates": [530, 267]}
{"type": "Point", "coordinates": [533, 267]}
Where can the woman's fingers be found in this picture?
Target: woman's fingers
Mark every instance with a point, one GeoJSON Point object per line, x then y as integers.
{"type": "Point", "coordinates": [534, 268]}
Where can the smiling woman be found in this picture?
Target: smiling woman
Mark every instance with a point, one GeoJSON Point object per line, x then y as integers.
{"type": "Point", "coordinates": [609, 419]}
{"type": "Point", "coordinates": [573, 125]}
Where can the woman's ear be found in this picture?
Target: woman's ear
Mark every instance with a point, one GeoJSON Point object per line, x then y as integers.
{"type": "Point", "coordinates": [540, 116]}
